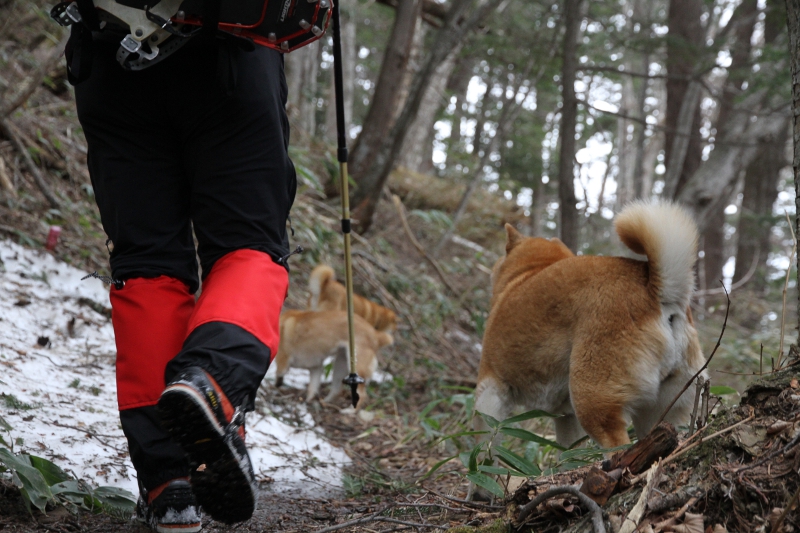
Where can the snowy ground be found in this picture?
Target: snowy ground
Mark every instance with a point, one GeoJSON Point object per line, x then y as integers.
{"type": "Point", "coordinates": [59, 395]}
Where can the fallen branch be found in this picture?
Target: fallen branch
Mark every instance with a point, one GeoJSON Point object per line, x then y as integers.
{"type": "Point", "coordinates": [588, 503]}
{"type": "Point", "coordinates": [702, 368]}
{"type": "Point", "coordinates": [401, 211]}
{"type": "Point", "coordinates": [8, 130]}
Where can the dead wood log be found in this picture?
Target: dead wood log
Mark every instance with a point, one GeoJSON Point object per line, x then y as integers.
{"type": "Point", "coordinates": [600, 485]}
{"type": "Point", "coordinates": [659, 443]}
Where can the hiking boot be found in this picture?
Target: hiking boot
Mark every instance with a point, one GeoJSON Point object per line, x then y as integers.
{"type": "Point", "coordinates": [169, 508]}
{"type": "Point", "coordinates": [199, 417]}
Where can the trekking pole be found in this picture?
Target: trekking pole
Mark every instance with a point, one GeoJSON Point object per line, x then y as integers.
{"type": "Point", "coordinates": [353, 379]}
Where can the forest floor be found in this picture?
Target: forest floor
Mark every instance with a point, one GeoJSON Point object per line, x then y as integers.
{"type": "Point", "coordinates": [431, 368]}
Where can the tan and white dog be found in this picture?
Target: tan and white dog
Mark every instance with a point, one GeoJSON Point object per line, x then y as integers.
{"type": "Point", "coordinates": [599, 340]}
{"type": "Point", "coordinates": [307, 338]}
{"type": "Point", "coordinates": [327, 294]}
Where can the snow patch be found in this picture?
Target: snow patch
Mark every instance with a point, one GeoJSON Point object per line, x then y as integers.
{"type": "Point", "coordinates": [57, 357]}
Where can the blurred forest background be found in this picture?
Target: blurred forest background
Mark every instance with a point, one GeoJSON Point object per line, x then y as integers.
{"type": "Point", "coordinates": [567, 110]}
{"type": "Point", "coordinates": [548, 114]}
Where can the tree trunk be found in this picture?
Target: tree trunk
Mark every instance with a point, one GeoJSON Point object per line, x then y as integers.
{"type": "Point", "coordinates": [682, 148]}
{"type": "Point", "coordinates": [538, 203]}
{"type": "Point", "coordinates": [631, 144]}
{"type": "Point", "coordinates": [388, 89]}
{"type": "Point", "coordinates": [417, 149]}
{"type": "Point", "coordinates": [458, 84]}
{"type": "Point", "coordinates": [755, 219]}
{"type": "Point", "coordinates": [301, 72]}
{"type": "Point", "coordinates": [449, 39]}
{"type": "Point", "coordinates": [714, 258]}
{"type": "Point", "coordinates": [793, 18]}
{"type": "Point", "coordinates": [733, 152]}
{"type": "Point", "coordinates": [569, 113]}
{"type": "Point", "coordinates": [743, 22]}
{"type": "Point", "coordinates": [508, 115]}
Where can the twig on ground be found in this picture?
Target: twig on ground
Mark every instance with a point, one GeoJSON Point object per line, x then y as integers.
{"type": "Point", "coordinates": [631, 522]}
{"type": "Point", "coordinates": [704, 403]}
{"type": "Point", "coordinates": [8, 130]}
{"type": "Point", "coordinates": [719, 340]}
{"type": "Point", "coordinates": [677, 453]}
{"type": "Point", "coordinates": [671, 521]}
{"type": "Point", "coordinates": [401, 211]}
{"type": "Point", "coordinates": [769, 456]}
{"type": "Point", "coordinates": [698, 392]}
{"type": "Point", "coordinates": [588, 503]}
{"type": "Point", "coordinates": [674, 499]}
{"type": "Point", "coordinates": [467, 503]}
{"type": "Point", "coordinates": [782, 517]}
{"type": "Point", "coordinates": [376, 517]}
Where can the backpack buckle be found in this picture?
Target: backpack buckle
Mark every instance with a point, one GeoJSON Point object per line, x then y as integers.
{"type": "Point", "coordinates": [130, 44]}
{"type": "Point", "coordinates": [66, 13]}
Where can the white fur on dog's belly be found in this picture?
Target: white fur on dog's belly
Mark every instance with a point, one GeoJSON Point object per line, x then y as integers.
{"type": "Point", "coordinates": [552, 397]}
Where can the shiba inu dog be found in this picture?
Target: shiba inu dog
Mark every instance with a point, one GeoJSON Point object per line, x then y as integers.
{"type": "Point", "coordinates": [598, 340]}
{"type": "Point", "coordinates": [327, 294]}
{"type": "Point", "coordinates": [309, 337]}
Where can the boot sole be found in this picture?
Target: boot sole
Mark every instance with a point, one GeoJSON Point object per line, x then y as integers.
{"type": "Point", "coordinates": [223, 489]}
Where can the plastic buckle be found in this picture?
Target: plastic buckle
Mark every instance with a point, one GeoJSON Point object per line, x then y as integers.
{"type": "Point", "coordinates": [130, 44]}
{"type": "Point", "coordinates": [72, 13]}
{"type": "Point", "coordinates": [66, 14]}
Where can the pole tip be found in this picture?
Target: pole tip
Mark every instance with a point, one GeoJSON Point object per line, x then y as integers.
{"type": "Point", "coordinates": [354, 380]}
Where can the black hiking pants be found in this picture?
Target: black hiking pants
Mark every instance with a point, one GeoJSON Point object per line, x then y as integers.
{"type": "Point", "coordinates": [196, 142]}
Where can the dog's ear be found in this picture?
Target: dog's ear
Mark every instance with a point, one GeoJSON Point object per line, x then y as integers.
{"type": "Point", "coordinates": [513, 237]}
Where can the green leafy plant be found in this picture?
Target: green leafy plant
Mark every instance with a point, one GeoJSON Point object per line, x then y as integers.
{"type": "Point", "coordinates": [491, 457]}
{"type": "Point", "coordinates": [722, 390]}
{"type": "Point", "coordinates": [42, 482]}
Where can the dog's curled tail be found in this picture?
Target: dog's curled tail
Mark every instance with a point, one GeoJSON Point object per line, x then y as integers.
{"type": "Point", "coordinates": [667, 235]}
{"type": "Point", "coordinates": [319, 277]}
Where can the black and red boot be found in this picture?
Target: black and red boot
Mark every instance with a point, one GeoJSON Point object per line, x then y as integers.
{"type": "Point", "coordinates": [170, 508]}
{"type": "Point", "coordinates": [197, 414]}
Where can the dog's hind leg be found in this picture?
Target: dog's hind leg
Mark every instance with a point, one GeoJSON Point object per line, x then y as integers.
{"type": "Point", "coordinates": [568, 430]}
{"type": "Point", "coordinates": [281, 366]}
{"type": "Point", "coordinates": [340, 370]}
{"type": "Point", "coordinates": [314, 377]}
{"type": "Point", "coordinates": [600, 411]}
{"type": "Point", "coordinates": [493, 399]}
{"type": "Point", "coordinates": [645, 418]}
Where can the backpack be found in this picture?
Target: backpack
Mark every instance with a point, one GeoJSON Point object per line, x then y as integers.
{"type": "Point", "coordinates": [147, 35]}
